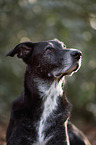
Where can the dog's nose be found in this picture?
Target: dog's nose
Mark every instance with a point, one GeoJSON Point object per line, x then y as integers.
{"type": "Point", "coordinates": [76, 54]}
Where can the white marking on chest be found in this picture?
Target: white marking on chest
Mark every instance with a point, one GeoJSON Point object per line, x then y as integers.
{"type": "Point", "coordinates": [50, 97]}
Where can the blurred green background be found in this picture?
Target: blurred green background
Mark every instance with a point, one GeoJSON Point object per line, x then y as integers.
{"type": "Point", "coordinates": [71, 21]}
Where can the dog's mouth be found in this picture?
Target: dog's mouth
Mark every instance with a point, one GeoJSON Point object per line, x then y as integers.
{"type": "Point", "coordinates": [74, 68]}
{"type": "Point", "coordinates": [70, 71]}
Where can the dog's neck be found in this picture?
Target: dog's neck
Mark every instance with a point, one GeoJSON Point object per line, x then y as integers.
{"type": "Point", "coordinates": [49, 91]}
{"type": "Point", "coordinates": [50, 94]}
{"type": "Point", "coordinates": [43, 88]}
{"type": "Point", "coordinates": [50, 88]}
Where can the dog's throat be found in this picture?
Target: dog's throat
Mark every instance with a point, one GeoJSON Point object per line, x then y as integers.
{"type": "Point", "coordinates": [51, 88]}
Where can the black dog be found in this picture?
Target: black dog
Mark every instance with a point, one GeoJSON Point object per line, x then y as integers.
{"type": "Point", "coordinates": [40, 115]}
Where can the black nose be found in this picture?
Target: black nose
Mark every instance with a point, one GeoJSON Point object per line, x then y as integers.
{"type": "Point", "coordinates": [76, 54]}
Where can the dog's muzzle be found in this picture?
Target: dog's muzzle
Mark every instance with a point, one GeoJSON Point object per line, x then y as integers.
{"type": "Point", "coordinates": [76, 54]}
{"type": "Point", "coordinates": [76, 57]}
{"type": "Point", "coordinates": [72, 64]}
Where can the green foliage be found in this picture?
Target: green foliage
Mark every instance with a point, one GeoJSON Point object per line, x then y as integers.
{"type": "Point", "coordinates": [71, 21]}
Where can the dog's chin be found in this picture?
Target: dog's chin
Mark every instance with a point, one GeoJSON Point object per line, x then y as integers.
{"type": "Point", "coordinates": [69, 71]}
{"type": "Point", "coordinates": [73, 69]}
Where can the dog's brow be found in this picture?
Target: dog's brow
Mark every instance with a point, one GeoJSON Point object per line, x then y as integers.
{"type": "Point", "coordinates": [51, 44]}
{"type": "Point", "coordinates": [58, 44]}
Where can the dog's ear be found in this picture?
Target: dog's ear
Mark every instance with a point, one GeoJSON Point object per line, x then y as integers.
{"type": "Point", "coordinates": [22, 50]}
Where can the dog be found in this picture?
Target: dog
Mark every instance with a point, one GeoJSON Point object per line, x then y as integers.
{"type": "Point", "coordinates": [40, 115]}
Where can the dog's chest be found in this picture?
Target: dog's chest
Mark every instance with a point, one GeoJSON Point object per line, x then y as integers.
{"type": "Point", "coordinates": [50, 106]}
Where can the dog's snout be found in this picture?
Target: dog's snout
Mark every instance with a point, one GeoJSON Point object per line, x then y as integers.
{"type": "Point", "coordinates": [76, 54]}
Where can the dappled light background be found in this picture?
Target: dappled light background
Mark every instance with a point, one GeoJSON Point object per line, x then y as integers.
{"type": "Point", "coordinates": [71, 21]}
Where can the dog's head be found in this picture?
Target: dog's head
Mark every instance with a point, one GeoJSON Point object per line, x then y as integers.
{"type": "Point", "coordinates": [48, 58]}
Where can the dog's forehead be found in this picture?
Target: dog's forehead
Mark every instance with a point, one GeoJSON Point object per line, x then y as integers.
{"type": "Point", "coordinates": [57, 43]}
{"type": "Point", "coordinates": [41, 46]}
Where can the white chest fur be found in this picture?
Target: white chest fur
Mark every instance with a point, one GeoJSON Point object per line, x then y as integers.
{"type": "Point", "coordinates": [50, 97]}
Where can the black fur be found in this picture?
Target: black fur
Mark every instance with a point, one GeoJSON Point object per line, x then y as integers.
{"type": "Point", "coordinates": [46, 62]}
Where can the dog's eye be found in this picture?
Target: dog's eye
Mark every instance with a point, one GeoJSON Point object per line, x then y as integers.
{"type": "Point", "coordinates": [48, 50]}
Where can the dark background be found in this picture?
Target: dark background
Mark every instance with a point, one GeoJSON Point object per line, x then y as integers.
{"type": "Point", "coordinates": [71, 21]}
